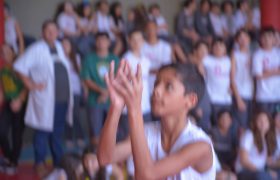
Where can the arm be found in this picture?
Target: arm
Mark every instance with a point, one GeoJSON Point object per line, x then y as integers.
{"type": "Point", "coordinates": [245, 161]}
{"type": "Point", "coordinates": [108, 150]}
{"type": "Point", "coordinates": [93, 86]}
{"type": "Point", "coordinates": [20, 38]}
{"type": "Point", "coordinates": [29, 84]}
{"type": "Point", "coordinates": [146, 168]}
{"type": "Point", "coordinates": [240, 103]}
{"type": "Point", "coordinates": [268, 74]}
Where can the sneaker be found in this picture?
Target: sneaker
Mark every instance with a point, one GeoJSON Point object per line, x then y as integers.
{"type": "Point", "coordinates": [41, 170]}
{"type": "Point", "coordinates": [3, 164]}
{"type": "Point", "coordinates": [11, 170]}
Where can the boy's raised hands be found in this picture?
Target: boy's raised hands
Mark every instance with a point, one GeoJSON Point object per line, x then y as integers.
{"type": "Point", "coordinates": [125, 87]}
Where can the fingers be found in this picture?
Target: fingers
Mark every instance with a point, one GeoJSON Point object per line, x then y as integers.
{"type": "Point", "coordinates": [139, 73]}
{"type": "Point", "coordinates": [112, 71]}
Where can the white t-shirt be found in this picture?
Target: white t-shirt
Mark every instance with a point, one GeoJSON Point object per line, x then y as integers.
{"type": "Point", "coordinates": [217, 77]}
{"type": "Point", "coordinates": [243, 76]}
{"type": "Point", "coordinates": [160, 21]}
{"type": "Point", "coordinates": [11, 34]}
{"type": "Point", "coordinates": [87, 23]}
{"type": "Point", "coordinates": [268, 88]}
{"type": "Point", "coordinates": [75, 78]}
{"type": "Point", "coordinates": [159, 54]}
{"type": "Point", "coordinates": [217, 24]}
{"type": "Point", "coordinates": [133, 61]}
{"type": "Point", "coordinates": [256, 17]}
{"type": "Point", "coordinates": [67, 22]}
{"type": "Point", "coordinates": [105, 24]}
{"type": "Point", "coordinates": [190, 134]}
{"type": "Point", "coordinates": [276, 154]}
{"type": "Point", "coordinates": [240, 20]}
{"type": "Point", "coordinates": [256, 158]}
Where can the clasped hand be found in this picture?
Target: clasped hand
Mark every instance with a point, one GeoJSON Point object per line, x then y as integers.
{"type": "Point", "coordinates": [125, 87]}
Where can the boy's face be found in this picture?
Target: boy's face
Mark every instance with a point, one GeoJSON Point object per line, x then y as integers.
{"type": "Point", "coordinates": [104, 7]}
{"type": "Point", "coordinates": [136, 41]}
{"type": "Point", "coordinates": [219, 49]}
{"type": "Point", "coordinates": [267, 40]}
{"type": "Point", "coordinates": [8, 54]}
{"type": "Point", "coordinates": [102, 43]}
{"type": "Point", "coordinates": [263, 124]}
{"type": "Point", "coordinates": [202, 51]}
{"type": "Point", "coordinates": [151, 30]}
{"type": "Point", "coordinates": [50, 33]}
{"type": "Point", "coordinates": [155, 12]}
{"type": "Point", "coordinates": [225, 121]}
{"type": "Point", "coordinates": [228, 9]}
{"type": "Point", "coordinates": [243, 40]}
{"type": "Point", "coordinates": [169, 98]}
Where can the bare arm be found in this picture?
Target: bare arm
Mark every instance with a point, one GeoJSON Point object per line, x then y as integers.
{"type": "Point", "coordinates": [108, 150]}
{"type": "Point", "coordinates": [240, 103]}
{"type": "Point", "coordinates": [245, 161]}
{"type": "Point", "coordinates": [268, 74]}
{"type": "Point", "coordinates": [146, 168]}
{"type": "Point", "coordinates": [29, 84]}
{"type": "Point", "coordinates": [93, 86]}
{"type": "Point", "coordinates": [20, 38]}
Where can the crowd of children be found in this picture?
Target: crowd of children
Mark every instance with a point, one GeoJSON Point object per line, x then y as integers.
{"type": "Point", "coordinates": [138, 82]}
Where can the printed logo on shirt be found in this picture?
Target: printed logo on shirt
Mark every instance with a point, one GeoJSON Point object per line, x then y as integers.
{"type": "Point", "coordinates": [102, 69]}
{"type": "Point", "coordinates": [266, 63]}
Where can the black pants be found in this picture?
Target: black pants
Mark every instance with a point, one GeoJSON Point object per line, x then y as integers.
{"type": "Point", "coordinates": [11, 123]}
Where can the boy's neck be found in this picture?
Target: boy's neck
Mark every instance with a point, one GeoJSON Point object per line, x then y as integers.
{"type": "Point", "coordinates": [136, 52]}
{"type": "Point", "coordinates": [152, 40]}
{"type": "Point", "coordinates": [171, 128]}
{"type": "Point", "coordinates": [267, 48]}
{"type": "Point", "coordinates": [102, 53]}
{"type": "Point", "coordinates": [244, 48]}
{"type": "Point", "coordinates": [223, 131]}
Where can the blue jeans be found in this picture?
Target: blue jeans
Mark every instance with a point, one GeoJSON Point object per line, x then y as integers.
{"type": "Point", "coordinates": [54, 138]}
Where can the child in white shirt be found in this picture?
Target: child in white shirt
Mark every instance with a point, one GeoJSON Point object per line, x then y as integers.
{"type": "Point", "coordinates": [266, 69]}
{"type": "Point", "coordinates": [217, 69]}
{"type": "Point", "coordinates": [68, 21]}
{"type": "Point", "coordinates": [256, 145]}
{"type": "Point", "coordinates": [157, 51]}
{"type": "Point", "coordinates": [242, 79]}
{"type": "Point", "coordinates": [155, 15]}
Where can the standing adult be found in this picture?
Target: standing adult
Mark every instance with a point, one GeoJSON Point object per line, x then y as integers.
{"type": "Point", "coordinates": [44, 70]}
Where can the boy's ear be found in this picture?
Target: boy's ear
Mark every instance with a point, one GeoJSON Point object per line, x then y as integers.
{"type": "Point", "coordinates": [191, 100]}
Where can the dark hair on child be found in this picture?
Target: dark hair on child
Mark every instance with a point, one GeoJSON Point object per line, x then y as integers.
{"type": "Point", "coordinates": [240, 31]}
{"type": "Point", "coordinates": [266, 30]}
{"type": "Point", "coordinates": [218, 40]}
{"type": "Point", "coordinates": [102, 34]}
{"type": "Point", "coordinates": [190, 77]}
{"type": "Point", "coordinates": [202, 2]}
{"type": "Point", "coordinates": [240, 3]}
{"type": "Point", "coordinates": [101, 172]}
{"type": "Point", "coordinates": [48, 22]}
{"type": "Point", "coordinates": [222, 112]}
{"type": "Point", "coordinates": [154, 6]}
{"type": "Point", "coordinates": [187, 3]}
{"type": "Point", "coordinates": [225, 3]}
{"type": "Point", "coordinates": [200, 43]}
{"type": "Point", "coordinates": [70, 163]}
{"type": "Point", "coordinates": [270, 136]}
{"type": "Point", "coordinates": [134, 31]}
